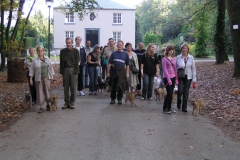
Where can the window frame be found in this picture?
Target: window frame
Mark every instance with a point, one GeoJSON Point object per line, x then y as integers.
{"type": "Point", "coordinates": [69, 35]}
{"type": "Point", "coordinates": [94, 17]}
{"type": "Point", "coordinates": [117, 18]}
{"type": "Point", "coordinates": [69, 17]}
{"type": "Point", "coordinates": [116, 37]}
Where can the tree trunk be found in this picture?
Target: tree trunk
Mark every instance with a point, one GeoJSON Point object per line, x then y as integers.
{"type": "Point", "coordinates": [233, 13]}
{"type": "Point", "coordinates": [2, 37]}
{"type": "Point", "coordinates": [19, 16]}
{"type": "Point", "coordinates": [219, 38]}
{"type": "Point", "coordinates": [9, 21]}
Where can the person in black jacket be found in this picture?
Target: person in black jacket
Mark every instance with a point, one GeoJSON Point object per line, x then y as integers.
{"type": "Point", "coordinates": [139, 53]}
{"type": "Point", "coordinates": [82, 55]}
{"type": "Point", "coordinates": [149, 69]}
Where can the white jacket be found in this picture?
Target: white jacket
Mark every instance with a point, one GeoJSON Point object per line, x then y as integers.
{"type": "Point", "coordinates": [35, 69]}
{"type": "Point", "coordinates": [190, 69]}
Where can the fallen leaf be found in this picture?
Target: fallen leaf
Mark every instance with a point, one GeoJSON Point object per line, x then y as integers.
{"type": "Point", "coordinates": [191, 147]}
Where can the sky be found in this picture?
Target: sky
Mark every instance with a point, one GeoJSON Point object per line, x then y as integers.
{"type": "Point", "coordinates": [41, 5]}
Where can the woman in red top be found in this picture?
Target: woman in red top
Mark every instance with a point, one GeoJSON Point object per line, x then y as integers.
{"type": "Point", "coordinates": [169, 77]}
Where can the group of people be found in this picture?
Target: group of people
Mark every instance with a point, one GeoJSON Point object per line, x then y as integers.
{"type": "Point", "coordinates": [126, 68]}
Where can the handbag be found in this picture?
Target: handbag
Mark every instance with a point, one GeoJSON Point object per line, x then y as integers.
{"type": "Point", "coordinates": [181, 71]}
{"type": "Point", "coordinates": [134, 68]}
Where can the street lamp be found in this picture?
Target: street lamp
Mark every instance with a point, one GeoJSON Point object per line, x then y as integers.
{"type": "Point", "coordinates": [49, 2]}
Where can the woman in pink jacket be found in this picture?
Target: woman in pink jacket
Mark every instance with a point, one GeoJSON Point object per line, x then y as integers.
{"type": "Point", "coordinates": [169, 77]}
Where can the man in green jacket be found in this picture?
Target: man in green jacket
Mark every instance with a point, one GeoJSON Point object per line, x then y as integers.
{"type": "Point", "coordinates": [69, 69]}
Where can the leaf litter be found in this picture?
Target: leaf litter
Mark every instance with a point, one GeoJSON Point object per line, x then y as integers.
{"type": "Point", "coordinates": [12, 96]}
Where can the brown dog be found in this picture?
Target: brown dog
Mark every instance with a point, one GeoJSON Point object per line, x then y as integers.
{"type": "Point", "coordinates": [131, 96]}
{"type": "Point", "coordinates": [173, 96]}
{"type": "Point", "coordinates": [159, 93]}
{"type": "Point", "coordinates": [138, 93]}
{"type": "Point", "coordinates": [198, 105]}
{"type": "Point", "coordinates": [53, 101]}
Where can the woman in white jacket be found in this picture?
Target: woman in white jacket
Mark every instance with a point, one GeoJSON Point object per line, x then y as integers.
{"type": "Point", "coordinates": [43, 72]}
{"type": "Point", "coordinates": [133, 78]}
{"type": "Point", "coordinates": [186, 62]}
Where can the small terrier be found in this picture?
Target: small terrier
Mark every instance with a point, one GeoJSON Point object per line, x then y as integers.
{"type": "Point", "coordinates": [199, 105]}
{"type": "Point", "coordinates": [159, 93]}
{"type": "Point", "coordinates": [28, 100]}
{"type": "Point", "coordinates": [131, 96]}
{"type": "Point", "coordinates": [173, 96]}
{"type": "Point", "coordinates": [53, 101]}
{"type": "Point", "coordinates": [103, 85]}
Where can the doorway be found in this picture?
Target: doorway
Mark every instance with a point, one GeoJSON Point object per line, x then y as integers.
{"type": "Point", "coordinates": [92, 34]}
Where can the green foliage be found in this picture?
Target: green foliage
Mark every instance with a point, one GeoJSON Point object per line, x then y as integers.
{"type": "Point", "coordinates": [176, 43]}
{"type": "Point", "coordinates": [138, 35]}
{"type": "Point", "coordinates": [38, 28]}
{"type": "Point", "coordinates": [201, 35]}
{"type": "Point", "coordinates": [80, 7]}
{"type": "Point", "coordinates": [192, 49]}
{"type": "Point", "coordinates": [152, 38]}
{"type": "Point", "coordinates": [29, 42]}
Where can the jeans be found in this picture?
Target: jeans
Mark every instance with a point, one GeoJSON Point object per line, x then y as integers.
{"type": "Point", "coordinates": [83, 75]}
{"type": "Point", "coordinates": [32, 88]}
{"type": "Point", "coordinates": [168, 99]}
{"type": "Point", "coordinates": [115, 88]}
{"type": "Point", "coordinates": [183, 91]}
{"type": "Point", "coordinates": [93, 77]}
{"type": "Point", "coordinates": [86, 74]}
{"type": "Point", "coordinates": [104, 71]}
{"type": "Point", "coordinates": [80, 78]}
{"type": "Point", "coordinates": [139, 79]}
{"type": "Point", "coordinates": [147, 85]}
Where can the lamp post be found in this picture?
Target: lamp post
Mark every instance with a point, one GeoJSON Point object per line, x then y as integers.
{"type": "Point", "coordinates": [49, 2]}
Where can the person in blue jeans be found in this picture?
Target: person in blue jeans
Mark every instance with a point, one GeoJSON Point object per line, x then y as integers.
{"type": "Point", "coordinates": [93, 62]}
{"type": "Point", "coordinates": [88, 50]}
{"type": "Point", "coordinates": [149, 69]}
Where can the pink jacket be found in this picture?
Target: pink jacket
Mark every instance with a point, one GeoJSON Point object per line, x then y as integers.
{"type": "Point", "coordinates": [169, 70]}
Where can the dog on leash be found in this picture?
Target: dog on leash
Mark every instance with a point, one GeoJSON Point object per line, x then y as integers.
{"type": "Point", "coordinates": [198, 105]}
{"type": "Point", "coordinates": [131, 96]}
{"type": "Point", "coordinates": [159, 93]}
{"type": "Point", "coordinates": [103, 85]}
{"type": "Point", "coordinates": [28, 100]}
{"type": "Point", "coordinates": [54, 102]}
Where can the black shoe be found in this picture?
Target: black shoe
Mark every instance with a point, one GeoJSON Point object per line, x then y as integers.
{"type": "Point", "coordinates": [178, 107]}
{"type": "Point", "coordinates": [172, 111]}
{"type": "Point", "coordinates": [48, 107]}
{"type": "Point", "coordinates": [112, 101]}
{"type": "Point", "coordinates": [184, 110]}
{"type": "Point", "coordinates": [167, 112]}
{"type": "Point", "coordinates": [120, 101]}
{"type": "Point", "coordinates": [86, 86]}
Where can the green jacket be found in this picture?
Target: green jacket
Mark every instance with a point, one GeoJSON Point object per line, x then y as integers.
{"type": "Point", "coordinates": [75, 57]}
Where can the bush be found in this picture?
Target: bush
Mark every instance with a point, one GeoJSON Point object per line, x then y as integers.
{"type": "Point", "coordinates": [29, 42]}
{"type": "Point", "coordinates": [152, 38]}
{"type": "Point", "coordinates": [175, 43]}
{"type": "Point", "coordinates": [192, 49]}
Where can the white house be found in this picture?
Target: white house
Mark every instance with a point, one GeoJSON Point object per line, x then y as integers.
{"type": "Point", "coordinates": [112, 21]}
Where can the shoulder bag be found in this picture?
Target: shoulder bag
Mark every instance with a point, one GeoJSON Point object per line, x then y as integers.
{"type": "Point", "coordinates": [133, 67]}
{"type": "Point", "coordinates": [181, 71]}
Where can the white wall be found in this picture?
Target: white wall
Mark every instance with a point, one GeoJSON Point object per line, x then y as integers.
{"type": "Point", "coordinates": [103, 22]}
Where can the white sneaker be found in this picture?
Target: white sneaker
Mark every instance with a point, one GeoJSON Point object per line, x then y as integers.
{"type": "Point", "coordinates": [82, 94]}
